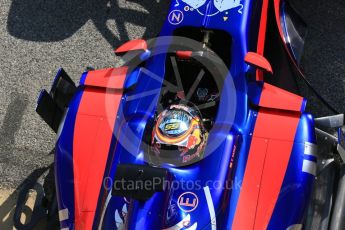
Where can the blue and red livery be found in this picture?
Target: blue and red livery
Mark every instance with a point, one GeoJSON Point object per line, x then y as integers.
{"type": "Point", "coordinates": [266, 143]}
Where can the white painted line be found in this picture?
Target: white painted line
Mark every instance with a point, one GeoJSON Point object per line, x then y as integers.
{"type": "Point", "coordinates": [310, 149]}
{"type": "Point", "coordinates": [309, 167]}
{"type": "Point", "coordinates": [210, 208]}
{"type": "Point", "coordinates": [104, 208]}
{"type": "Point", "coordinates": [295, 227]}
{"type": "Point", "coordinates": [63, 214]}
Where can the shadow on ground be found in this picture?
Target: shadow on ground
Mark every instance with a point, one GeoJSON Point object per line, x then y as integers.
{"type": "Point", "coordinates": [55, 20]}
{"type": "Point", "coordinates": [8, 206]}
{"type": "Point", "coordinates": [9, 163]}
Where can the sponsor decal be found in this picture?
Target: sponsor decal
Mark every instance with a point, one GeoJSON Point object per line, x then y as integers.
{"type": "Point", "coordinates": [175, 17]}
{"type": "Point", "coordinates": [188, 201]}
{"type": "Point", "coordinates": [171, 126]}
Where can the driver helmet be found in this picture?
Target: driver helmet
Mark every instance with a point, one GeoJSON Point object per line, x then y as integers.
{"type": "Point", "coordinates": [178, 135]}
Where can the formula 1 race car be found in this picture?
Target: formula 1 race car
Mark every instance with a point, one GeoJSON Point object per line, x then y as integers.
{"type": "Point", "coordinates": [202, 128]}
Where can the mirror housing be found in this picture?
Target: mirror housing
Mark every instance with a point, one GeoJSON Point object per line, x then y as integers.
{"type": "Point", "coordinates": [137, 50]}
{"type": "Point", "coordinates": [258, 61]}
{"type": "Point", "coordinates": [132, 45]}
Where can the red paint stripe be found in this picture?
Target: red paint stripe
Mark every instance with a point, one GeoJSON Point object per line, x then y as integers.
{"type": "Point", "coordinates": [275, 124]}
{"type": "Point", "coordinates": [277, 159]}
{"type": "Point", "coordinates": [262, 28]}
{"type": "Point", "coordinates": [246, 206]}
{"type": "Point", "coordinates": [262, 35]}
{"type": "Point", "coordinates": [268, 158]}
{"type": "Point", "coordinates": [277, 98]}
{"type": "Point", "coordinates": [111, 78]}
{"type": "Point", "coordinates": [92, 137]}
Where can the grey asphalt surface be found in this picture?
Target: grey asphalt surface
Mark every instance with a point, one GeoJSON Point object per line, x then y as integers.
{"type": "Point", "coordinates": [323, 61]}
{"type": "Point", "coordinates": [37, 37]}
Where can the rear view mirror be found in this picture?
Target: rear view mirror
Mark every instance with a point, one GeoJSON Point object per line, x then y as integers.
{"type": "Point", "coordinates": [258, 61]}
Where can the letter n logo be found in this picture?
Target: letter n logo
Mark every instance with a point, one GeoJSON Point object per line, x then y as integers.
{"type": "Point", "coordinates": [175, 17]}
